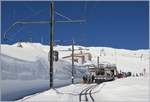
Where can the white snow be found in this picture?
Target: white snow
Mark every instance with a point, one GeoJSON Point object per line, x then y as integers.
{"type": "Point", "coordinates": [125, 60]}
{"type": "Point", "coordinates": [126, 89]}
{"type": "Point", "coordinates": [26, 70]}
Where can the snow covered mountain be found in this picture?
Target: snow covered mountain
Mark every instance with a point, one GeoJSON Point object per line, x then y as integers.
{"type": "Point", "coordinates": [125, 60]}
{"type": "Point", "coordinates": [26, 70]}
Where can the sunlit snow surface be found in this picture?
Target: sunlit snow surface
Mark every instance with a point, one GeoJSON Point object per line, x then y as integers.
{"type": "Point", "coordinates": [26, 70]}
{"type": "Point", "coordinates": [131, 89]}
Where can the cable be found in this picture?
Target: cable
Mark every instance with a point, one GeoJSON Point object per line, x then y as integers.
{"type": "Point", "coordinates": [29, 8]}
{"type": "Point", "coordinates": [13, 35]}
{"type": "Point", "coordinates": [35, 14]}
{"type": "Point", "coordinates": [63, 16]}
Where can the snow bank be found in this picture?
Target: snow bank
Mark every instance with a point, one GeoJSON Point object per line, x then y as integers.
{"type": "Point", "coordinates": [26, 72]}
{"type": "Point", "coordinates": [126, 89]}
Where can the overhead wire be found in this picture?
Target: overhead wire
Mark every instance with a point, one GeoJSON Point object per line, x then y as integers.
{"type": "Point", "coordinates": [83, 16]}
{"type": "Point", "coordinates": [35, 14]}
{"type": "Point", "coordinates": [27, 17]}
{"type": "Point", "coordinates": [29, 8]}
{"type": "Point", "coordinates": [18, 31]}
{"type": "Point", "coordinates": [62, 16]}
{"type": "Point", "coordinates": [58, 13]}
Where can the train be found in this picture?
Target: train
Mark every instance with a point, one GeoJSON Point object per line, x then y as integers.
{"type": "Point", "coordinates": [104, 72]}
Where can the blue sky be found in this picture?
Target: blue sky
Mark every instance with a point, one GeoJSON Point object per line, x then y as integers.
{"type": "Point", "coordinates": [111, 24]}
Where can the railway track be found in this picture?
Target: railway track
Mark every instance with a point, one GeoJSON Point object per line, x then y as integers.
{"type": "Point", "coordinates": [87, 91]}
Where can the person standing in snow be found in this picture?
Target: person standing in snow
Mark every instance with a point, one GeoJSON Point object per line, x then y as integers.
{"type": "Point", "coordinates": [144, 71]}
{"type": "Point", "coordinates": [137, 75]}
{"type": "Point", "coordinates": [133, 75]}
{"type": "Point", "coordinates": [84, 79]}
{"type": "Point", "coordinates": [88, 79]}
{"type": "Point", "coordinates": [93, 78]}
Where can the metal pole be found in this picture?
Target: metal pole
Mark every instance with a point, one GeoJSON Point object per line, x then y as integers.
{"type": "Point", "coordinates": [51, 43]}
{"type": "Point", "coordinates": [98, 64]}
{"type": "Point", "coordinates": [98, 61]}
{"type": "Point", "coordinates": [72, 61]}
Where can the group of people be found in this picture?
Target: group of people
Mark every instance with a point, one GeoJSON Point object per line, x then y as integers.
{"type": "Point", "coordinates": [127, 74]}
{"type": "Point", "coordinates": [138, 74]}
{"type": "Point", "coordinates": [88, 78]}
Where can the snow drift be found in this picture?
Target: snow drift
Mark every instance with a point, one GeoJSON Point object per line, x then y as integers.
{"type": "Point", "coordinates": [23, 75]}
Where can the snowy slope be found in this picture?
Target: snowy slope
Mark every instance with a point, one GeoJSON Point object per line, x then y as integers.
{"type": "Point", "coordinates": [126, 60]}
{"type": "Point", "coordinates": [27, 68]}
{"type": "Point", "coordinates": [131, 89]}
